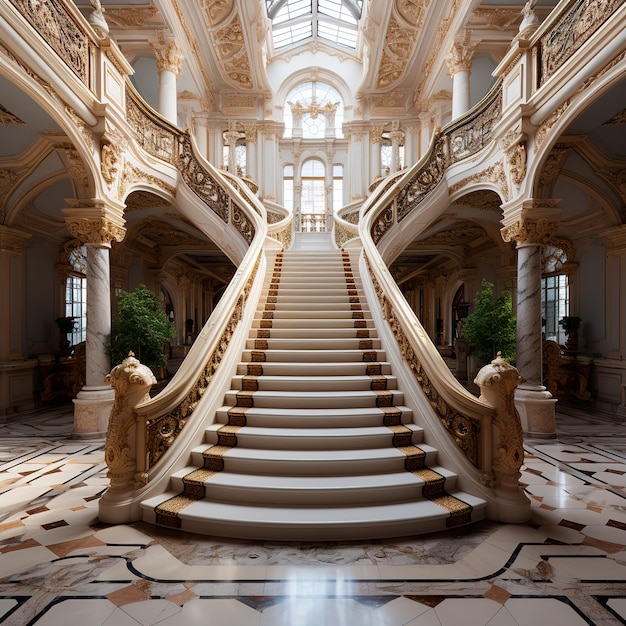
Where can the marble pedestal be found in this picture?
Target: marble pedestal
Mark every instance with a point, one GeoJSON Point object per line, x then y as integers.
{"type": "Point", "coordinates": [92, 408]}
{"type": "Point", "coordinates": [537, 410]}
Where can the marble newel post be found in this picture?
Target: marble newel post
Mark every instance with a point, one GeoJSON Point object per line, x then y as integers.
{"type": "Point", "coordinates": [459, 67]}
{"type": "Point", "coordinates": [169, 61]}
{"type": "Point", "coordinates": [92, 406]}
{"type": "Point", "coordinates": [534, 402]}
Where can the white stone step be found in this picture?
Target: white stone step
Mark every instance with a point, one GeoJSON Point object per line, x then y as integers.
{"type": "Point", "coordinates": [315, 356]}
{"type": "Point", "coordinates": [333, 343]}
{"type": "Point", "coordinates": [330, 438]}
{"type": "Point", "coordinates": [316, 333]}
{"type": "Point", "coordinates": [307, 314]}
{"type": "Point", "coordinates": [316, 523]}
{"type": "Point", "coordinates": [313, 399]}
{"type": "Point", "coordinates": [314, 304]}
{"type": "Point", "coordinates": [298, 382]}
{"type": "Point", "coordinates": [318, 490]}
{"type": "Point", "coordinates": [312, 418]}
{"type": "Point", "coordinates": [311, 462]}
{"type": "Point", "coordinates": [345, 321]}
{"type": "Point", "coordinates": [315, 369]}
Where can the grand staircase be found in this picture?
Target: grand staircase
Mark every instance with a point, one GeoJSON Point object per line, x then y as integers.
{"type": "Point", "coordinates": [313, 441]}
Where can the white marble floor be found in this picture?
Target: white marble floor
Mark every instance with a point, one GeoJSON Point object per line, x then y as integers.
{"type": "Point", "coordinates": [60, 565]}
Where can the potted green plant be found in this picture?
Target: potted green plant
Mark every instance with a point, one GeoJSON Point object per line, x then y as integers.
{"type": "Point", "coordinates": [141, 326]}
{"type": "Point", "coordinates": [491, 327]}
{"type": "Point", "coordinates": [570, 325]}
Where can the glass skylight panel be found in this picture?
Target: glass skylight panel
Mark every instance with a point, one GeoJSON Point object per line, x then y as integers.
{"type": "Point", "coordinates": [296, 20]}
{"type": "Point", "coordinates": [293, 9]}
{"type": "Point", "coordinates": [336, 33]}
{"type": "Point", "coordinates": [291, 34]}
{"type": "Point", "coordinates": [336, 9]}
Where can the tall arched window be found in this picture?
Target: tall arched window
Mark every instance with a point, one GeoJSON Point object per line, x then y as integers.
{"type": "Point", "coordinates": [313, 199]}
{"type": "Point", "coordinates": [313, 192]}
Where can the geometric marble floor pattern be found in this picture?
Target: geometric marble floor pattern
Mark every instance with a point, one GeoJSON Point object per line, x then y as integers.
{"type": "Point", "coordinates": [59, 565]}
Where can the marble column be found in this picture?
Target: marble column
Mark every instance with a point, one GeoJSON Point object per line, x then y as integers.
{"type": "Point", "coordinates": [397, 137]}
{"type": "Point", "coordinates": [375, 138]}
{"type": "Point", "coordinates": [230, 137]}
{"type": "Point", "coordinates": [252, 135]}
{"type": "Point", "coordinates": [169, 61]}
{"type": "Point", "coordinates": [534, 402]}
{"type": "Point", "coordinates": [459, 67]}
{"type": "Point", "coordinates": [200, 134]}
{"type": "Point", "coordinates": [92, 405]}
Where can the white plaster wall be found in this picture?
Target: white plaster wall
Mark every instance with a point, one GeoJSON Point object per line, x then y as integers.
{"type": "Point", "coordinates": [42, 297]}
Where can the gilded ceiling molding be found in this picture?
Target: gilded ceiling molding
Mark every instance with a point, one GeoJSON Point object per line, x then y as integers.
{"type": "Point", "coordinates": [551, 167]}
{"type": "Point", "coordinates": [8, 181]}
{"type": "Point", "coordinates": [83, 128]}
{"type": "Point", "coordinates": [442, 31]}
{"type": "Point", "coordinates": [617, 119]}
{"type": "Point", "coordinates": [397, 48]}
{"type": "Point", "coordinates": [216, 11]}
{"type": "Point", "coordinates": [193, 46]}
{"type": "Point", "coordinates": [534, 231]}
{"type": "Point", "coordinates": [134, 18]}
{"type": "Point", "coordinates": [6, 118]}
{"type": "Point", "coordinates": [230, 46]}
{"type": "Point", "coordinates": [549, 122]}
{"type": "Point", "coordinates": [75, 168]}
{"type": "Point", "coordinates": [413, 11]}
{"type": "Point", "coordinates": [496, 18]}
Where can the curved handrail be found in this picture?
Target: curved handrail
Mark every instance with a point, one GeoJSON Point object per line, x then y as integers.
{"type": "Point", "coordinates": [465, 417]}
{"type": "Point", "coordinates": [162, 418]}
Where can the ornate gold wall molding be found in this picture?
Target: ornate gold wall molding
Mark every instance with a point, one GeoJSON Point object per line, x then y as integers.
{"type": "Point", "coordinates": [6, 118]}
{"type": "Point", "coordinates": [493, 174]}
{"type": "Point", "coordinates": [533, 231]}
{"type": "Point", "coordinates": [8, 182]}
{"type": "Point", "coordinates": [94, 230]}
{"type": "Point", "coordinates": [232, 53]}
{"type": "Point", "coordinates": [132, 175]}
{"type": "Point", "coordinates": [397, 49]}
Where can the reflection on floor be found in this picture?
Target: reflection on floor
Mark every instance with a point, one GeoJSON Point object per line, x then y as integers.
{"type": "Point", "coordinates": [59, 565]}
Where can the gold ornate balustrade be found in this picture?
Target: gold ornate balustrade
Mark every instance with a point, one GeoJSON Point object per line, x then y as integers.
{"type": "Point", "coordinates": [579, 20]}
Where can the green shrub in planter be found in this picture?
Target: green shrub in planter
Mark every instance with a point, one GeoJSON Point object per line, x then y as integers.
{"type": "Point", "coordinates": [491, 328]}
{"type": "Point", "coordinates": [141, 326]}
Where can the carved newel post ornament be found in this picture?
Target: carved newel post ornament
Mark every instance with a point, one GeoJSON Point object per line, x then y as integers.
{"type": "Point", "coordinates": [497, 382]}
{"type": "Point", "coordinates": [131, 382]}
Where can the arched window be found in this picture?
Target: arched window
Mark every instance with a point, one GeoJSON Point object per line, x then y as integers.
{"type": "Point", "coordinates": [313, 187]}
{"type": "Point", "coordinates": [312, 110]}
{"type": "Point", "coordinates": [288, 187]}
{"type": "Point", "coordinates": [76, 293]}
{"type": "Point", "coordinates": [555, 289]}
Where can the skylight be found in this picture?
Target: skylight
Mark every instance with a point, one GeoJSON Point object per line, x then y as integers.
{"type": "Point", "coordinates": [295, 21]}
